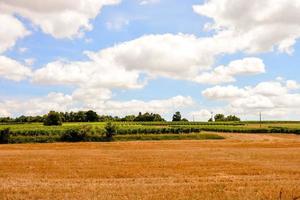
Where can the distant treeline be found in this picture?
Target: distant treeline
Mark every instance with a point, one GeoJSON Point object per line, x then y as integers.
{"type": "Point", "coordinates": [92, 116]}
{"type": "Point", "coordinates": [86, 116]}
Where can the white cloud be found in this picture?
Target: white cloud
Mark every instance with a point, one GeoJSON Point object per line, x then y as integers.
{"type": "Point", "coordinates": [13, 70]}
{"type": "Point", "coordinates": [36, 106]}
{"type": "Point", "coordinates": [146, 2]}
{"type": "Point", "coordinates": [179, 56]}
{"type": "Point", "coordinates": [292, 85]}
{"type": "Point", "coordinates": [93, 73]}
{"type": "Point", "coordinates": [3, 111]}
{"type": "Point", "coordinates": [61, 19]}
{"type": "Point", "coordinates": [224, 92]}
{"type": "Point", "coordinates": [92, 97]}
{"type": "Point", "coordinates": [270, 89]}
{"type": "Point", "coordinates": [201, 115]}
{"type": "Point", "coordinates": [11, 30]}
{"type": "Point", "coordinates": [275, 99]}
{"type": "Point", "coordinates": [124, 64]}
{"type": "Point", "coordinates": [174, 56]}
{"type": "Point", "coordinates": [254, 26]}
{"type": "Point", "coordinates": [225, 74]}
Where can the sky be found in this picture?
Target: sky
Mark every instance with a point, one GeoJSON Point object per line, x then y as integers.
{"type": "Point", "coordinates": [120, 57]}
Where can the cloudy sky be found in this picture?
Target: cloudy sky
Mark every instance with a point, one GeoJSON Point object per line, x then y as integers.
{"type": "Point", "coordinates": [120, 57]}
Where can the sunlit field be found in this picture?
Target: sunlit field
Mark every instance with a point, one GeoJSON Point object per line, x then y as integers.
{"type": "Point", "coordinates": [257, 125]}
{"type": "Point", "coordinates": [243, 166]}
{"type": "Point", "coordinates": [95, 132]}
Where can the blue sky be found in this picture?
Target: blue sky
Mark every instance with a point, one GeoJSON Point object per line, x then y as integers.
{"type": "Point", "coordinates": [259, 66]}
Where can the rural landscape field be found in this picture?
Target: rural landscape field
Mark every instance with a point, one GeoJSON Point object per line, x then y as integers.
{"type": "Point", "coordinates": [153, 160]}
{"type": "Point", "coordinates": [149, 99]}
{"type": "Point", "coordinates": [243, 166]}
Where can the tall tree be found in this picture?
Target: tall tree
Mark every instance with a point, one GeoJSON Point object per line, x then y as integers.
{"type": "Point", "coordinates": [53, 119]}
{"type": "Point", "coordinates": [219, 118]}
{"type": "Point", "coordinates": [91, 116]}
{"type": "Point", "coordinates": [177, 117]}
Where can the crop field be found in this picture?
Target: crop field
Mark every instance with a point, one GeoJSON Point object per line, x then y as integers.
{"type": "Point", "coordinates": [243, 166]}
{"type": "Point", "coordinates": [37, 132]}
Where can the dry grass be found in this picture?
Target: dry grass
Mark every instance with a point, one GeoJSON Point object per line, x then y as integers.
{"type": "Point", "coordinates": [240, 167]}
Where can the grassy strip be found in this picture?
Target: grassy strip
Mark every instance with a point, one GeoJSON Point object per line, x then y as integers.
{"type": "Point", "coordinates": [137, 137]}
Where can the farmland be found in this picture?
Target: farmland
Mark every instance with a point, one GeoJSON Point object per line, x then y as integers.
{"type": "Point", "coordinates": [95, 131]}
{"type": "Point", "coordinates": [193, 160]}
{"type": "Point", "coordinates": [243, 166]}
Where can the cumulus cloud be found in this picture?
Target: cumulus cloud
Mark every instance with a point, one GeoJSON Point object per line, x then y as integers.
{"type": "Point", "coordinates": [225, 74]}
{"type": "Point", "coordinates": [92, 97]}
{"type": "Point", "coordinates": [124, 65]}
{"type": "Point", "coordinates": [274, 98]}
{"type": "Point", "coordinates": [13, 70]}
{"type": "Point", "coordinates": [179, 56]}
{"type": "Point", "coordinates": [168, 55]}
{"type": "Point", "coordinates": [292, 85]}
{"type": "Point", "coordinates": [11, 30]}
{"type": "Point", "coordinates": [35, 106]}
{"type": "Point", "coordinates": [93, 73]}
{"type": "Point", "coordinates": [61, 19]}
{"type": "Point", "coordinates": [224, 92]}
{"type": "Point", "coordinates": [257, 26]}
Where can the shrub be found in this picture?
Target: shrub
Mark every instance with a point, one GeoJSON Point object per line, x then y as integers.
{"type": "Point", "coordinates": [74, 135]}
{"type": "Point", "coordinates": [110, 129]}
{"type": "Point", "coordinates": [4, 136]}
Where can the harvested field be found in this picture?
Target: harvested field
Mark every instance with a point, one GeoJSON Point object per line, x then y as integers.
{"type": "Point", "coordinates": [244, 166]}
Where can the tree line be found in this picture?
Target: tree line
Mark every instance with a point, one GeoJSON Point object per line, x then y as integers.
{"type": "Point", "coordinates": [83, 116]}
{"type": "Point", "coordinates": [92, 116]}
{"type": "Point", "coordinates": [223, 118]}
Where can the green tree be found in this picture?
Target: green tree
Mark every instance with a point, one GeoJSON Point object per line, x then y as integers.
{"type": "Point", "coordinates": [91, 116]}
{"type": "Point", "coordinates": [53, 119]}
{"type": "Point", "coordinates": [176, 117]}
{"type": "Point", "coordinates": [232, 118]}
{"type": "Point", "coordinates": [219, 118]}
{"type": "Point", "coordinates": [128, 118]}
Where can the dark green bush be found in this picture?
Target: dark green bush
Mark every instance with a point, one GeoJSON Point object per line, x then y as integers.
{"type": "Point", "coordinates": [53, 119]}
{"type": "Point", "coordinates": [5, 136]}
{"type": "Point", "coordinates": [74, 135]}
{"type": "Point", "coordinates": [111, 130]}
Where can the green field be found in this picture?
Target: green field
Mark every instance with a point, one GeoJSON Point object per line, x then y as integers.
{"type": "Point", "coordinates": [95, 131]}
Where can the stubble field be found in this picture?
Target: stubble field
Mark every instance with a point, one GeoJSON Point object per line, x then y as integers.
{"type": "Point", "coordinates": [243, 166]}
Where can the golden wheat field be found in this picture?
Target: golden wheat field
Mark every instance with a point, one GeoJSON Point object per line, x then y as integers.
{"type": "Point", "coordinates": [239, 167]}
